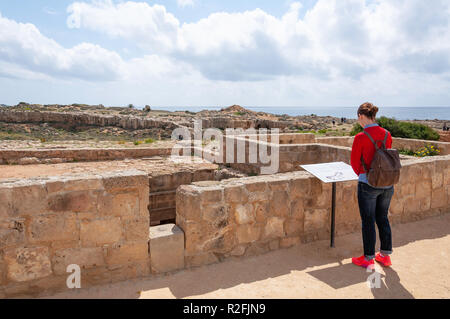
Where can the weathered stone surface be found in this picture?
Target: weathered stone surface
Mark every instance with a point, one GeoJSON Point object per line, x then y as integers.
{"type": "Point", "coordinates": [100, 232]}
{"type": "Point", "coordinates": [53, 227]}
{"type": "Point", "coordinates": [212, 195]}
{"type": "Point", "coordinates": [216, 215]}
{"type": "Point", "coordinates": [27, 200]}
{"type": "Point", "coordinates": [248, 233]}
{"type": "Point", "coordinates": [125, 204]}
{"type": "Point", "coordinates": [274, 228]}
{"type": "Point", "coordinates": [166, 248]}
{"type": "Point", "coordinates": [280, 204]}
{"type": "Point", "coordinates": [293, 227]}
{"type": "Point", "coordinates": [83, 257]}
{"type": "Point", "coordinates": [135, 228]}
{"type": "Point", "coordinates": [78, 201]}
{"type": "Point", "coordinates": [188, 203]}
{"type": "Point", "coordinates": [24, 264]}
{"type": "Point", "coordinates": [121, 254]}
{"type": "Point", "coordinates": [316, 219]}
{"type": "Point", "coordinates": [439, 198]}
{"type": "Point", "coordinates": [6, 203]}
{"type": "Point", "coordinates": [297, 209]}
{"type": "Point", "coordinates": [235, 194]}
{"type": "Point", "coordinates": [12, 231]}
{"type": "Point", "coordinates": [261, 210]}
{"type": "Point", "coordinates": [244, 214]}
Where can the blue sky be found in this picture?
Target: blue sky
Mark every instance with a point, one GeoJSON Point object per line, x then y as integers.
{"type": "Point", "coordinates": [248, 52]}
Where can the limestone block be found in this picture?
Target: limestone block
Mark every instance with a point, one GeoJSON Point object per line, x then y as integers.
{"type": "Point", "coordinates": [293, 227]}
{"type": "Point", "coordinates": [253, 186]}
{"type": "Point", "coordinates": [211, 195]}
{"type": "Point", "coordinates": [136, 228]}
{"type": "Point", "coordinates": [423, 188]}
{"type": "Point", "coordinates": [83, 257]}
{"type": "Point", "coordinates": [248, 233]}
{"type": "Point", "coordinates": [261, 210]}
{"type": "Point", "coordinates": [53, 227]}
{"type": "Point", "coordinates": [129, 252]}
{"type": "Point", "coordinates": [222, 242]}
{"type": "Point", "coordinates": [25, 264]}
{"type": "Point", "coordinates": [437, 179]}
{"type": "Point", "coordinates": [297, 209]}
{"type": "Point", "coordinates": [244, 214]}
{"type": "Point", "coordinates": [235, 194]}
{"type": "Point", "coordinates": [29, 200]}
{"type": "Point", "coordinates": [316, 219]}
{"type": "Point", "coordinates": [439, 198]}
{"type": "Point", "coordinates": [6, 203]}
{"type": "Point", "coordinates": [12, 231]}
{"type": "Point", "coordinates": [100, 232]}
{"type": "Point", "coordinates": [216, 215]}
{"type": "Point", "coordinates": [274, 228]}
{"type": "Point", "coordinates": [78, 201]}
{"type": "Point", "coordinates": [166, 248]}
{"type": "Point", "coordinates": [280, 204]}
{"type": "Point", "coordinates": [188, 203]}
{"type": "Point", "coordinates": [125, 204]}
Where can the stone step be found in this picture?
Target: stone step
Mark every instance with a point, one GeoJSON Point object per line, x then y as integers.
{"type": "Point", "coordinates": [166, 248]}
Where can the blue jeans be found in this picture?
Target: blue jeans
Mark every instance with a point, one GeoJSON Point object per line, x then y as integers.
{"type": "Point", "coordinates": [373, 207]}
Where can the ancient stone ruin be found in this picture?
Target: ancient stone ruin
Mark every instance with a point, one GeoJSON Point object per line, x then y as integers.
{"type": "Point", "coordinates": [124, 213]}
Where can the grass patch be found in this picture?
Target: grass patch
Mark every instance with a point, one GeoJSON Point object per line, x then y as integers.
{"type": "Point", "coordinates": [150, 141]}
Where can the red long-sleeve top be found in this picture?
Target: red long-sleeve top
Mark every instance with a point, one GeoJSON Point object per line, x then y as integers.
{"type": "Point", "coordinates": [363, 145]}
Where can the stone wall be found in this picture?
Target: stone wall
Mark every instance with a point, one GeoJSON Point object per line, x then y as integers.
{"type": "Point", "coordinates": [397, 143]}
{"type": "Point", "coordinates": [52, 156]}
{"type": "Point", "coordinates": [253, 215]}
{"type": "Point", "coordinates": [99, 222]}
{"type": "Point", "coordinates": [290, 155]}
{"type": "Point", "coordinates": [84, 119]}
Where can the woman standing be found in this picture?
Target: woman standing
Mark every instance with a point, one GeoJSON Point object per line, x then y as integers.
{"type": "Point", "coordinates": [373, 202]}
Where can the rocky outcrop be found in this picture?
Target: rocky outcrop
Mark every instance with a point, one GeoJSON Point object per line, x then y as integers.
{"type": "Point", "coordinates": [83, 119]}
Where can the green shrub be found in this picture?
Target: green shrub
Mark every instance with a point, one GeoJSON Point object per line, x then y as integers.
{"type": "Point", "coordinates": [149, 141]}
{"type": "Point", "coordinates": [322, 131]}
{"type": "Point", "coordinates": [402, 129]}
{"type": "Point", "coordinates": [137, 143]}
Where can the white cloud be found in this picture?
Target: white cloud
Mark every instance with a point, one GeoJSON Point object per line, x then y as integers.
{"type": "Point", "coordinates": [393, 52]}
{"type": "Point", "coordinates": [22, 46]}
{"type": "Point", "coordinates": [334, 39]}
{"type": "Point", "coordinates": [185, 3]}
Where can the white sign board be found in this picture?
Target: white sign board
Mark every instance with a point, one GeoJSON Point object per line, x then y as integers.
{"type": "Point", "coordinates": [331, 172]}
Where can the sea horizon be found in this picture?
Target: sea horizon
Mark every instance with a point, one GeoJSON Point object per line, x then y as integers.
{"type": "Point", "coordinates": [441, 113]}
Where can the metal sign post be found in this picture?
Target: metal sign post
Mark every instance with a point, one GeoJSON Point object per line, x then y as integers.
{"type": "Point", "coordinates": [333, 210]}
{"type": "Point", "coordinates": [332, 173]}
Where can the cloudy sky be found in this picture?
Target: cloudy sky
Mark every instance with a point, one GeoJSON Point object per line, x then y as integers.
{"type": "Point", "coordinates": [218, 53]}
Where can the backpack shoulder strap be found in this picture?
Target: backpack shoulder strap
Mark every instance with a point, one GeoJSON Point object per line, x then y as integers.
{"type": "Point", "coordinates": [370, 137]}
{"type": "Point", "coordinates": [385, 139]}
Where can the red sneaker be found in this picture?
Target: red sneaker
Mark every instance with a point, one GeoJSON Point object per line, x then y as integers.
{"type": "Point", "coordinates": [361, 261]}
{"type": "Point", "coordinates": [385, 261]}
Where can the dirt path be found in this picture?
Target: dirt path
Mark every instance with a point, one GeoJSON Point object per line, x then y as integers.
{"type": "Point", "coordinates": [421, 270]}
